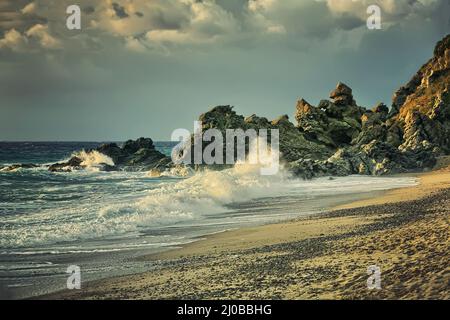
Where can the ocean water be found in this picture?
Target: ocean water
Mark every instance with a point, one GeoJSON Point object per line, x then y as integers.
{"type": "Point", "coordinates": [102, 221]}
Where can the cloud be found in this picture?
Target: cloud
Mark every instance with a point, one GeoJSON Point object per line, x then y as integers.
{"type": "Point", "coordinates": [120, 11]}
{"type": "Point", "coordinates": [393, 11]}
{"type": "Point", "coordinates": [301, 18]}
{"type": "Point", "coordinates": [41, 34]}
{"type": "Point", "coordinates": [18, 15]}
{"type": "Point", "coordinates": [171, 25]}
{"type": "Point", "coordinates": [14, 40]}
{"type": "Point", "coordinates": [29, 8]}
{"type": "Point", "coordinates": [133, 44]}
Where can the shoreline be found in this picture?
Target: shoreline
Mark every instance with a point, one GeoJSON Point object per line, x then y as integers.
{"type": "Point", "coordinates": [242, 238]}
{"type": "Point", "coordinates": [183, 272]}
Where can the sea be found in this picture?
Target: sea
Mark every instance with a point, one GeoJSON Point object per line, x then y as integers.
{"type": "Point", "coordinates": [102, 222]}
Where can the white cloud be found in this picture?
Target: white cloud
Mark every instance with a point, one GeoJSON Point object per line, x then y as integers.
{"type": "Point", "coordinates": [41, 33]}
{"type": "Point", "coordinates": [276, 29]}
{"type": "Point", "coordinates": [141, 25]}
{"type": "Point", "coordinates": [134, 44]}
{"type": "Point", "coordinates": [29, 8]}
{"type": "Point", "coordinates": [14, 40]}
{"type": "Point", "coordinates": [163, 24]}
{"type": "Point", "coordinates": [393, 10]}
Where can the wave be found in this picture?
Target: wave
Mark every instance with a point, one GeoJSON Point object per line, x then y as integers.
{"type": "Point", "coordinates": [169, 202]}
{"type": "Point", "coordinates": [93, 160]}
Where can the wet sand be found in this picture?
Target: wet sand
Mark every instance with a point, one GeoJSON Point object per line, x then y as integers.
{"type": "Point", "coordinates": [405, 232]}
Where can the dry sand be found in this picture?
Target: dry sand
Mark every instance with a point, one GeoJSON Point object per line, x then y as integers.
{"type": "Point", "coordinates": [405, 233]}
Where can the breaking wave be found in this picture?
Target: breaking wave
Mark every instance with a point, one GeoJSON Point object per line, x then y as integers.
{"type": "Point", "coordinates": [93, 160]}
{"type": "Point", "coordinates": [122, 204]}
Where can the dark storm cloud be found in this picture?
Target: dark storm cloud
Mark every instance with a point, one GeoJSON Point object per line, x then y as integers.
{"type": "Point", "coordinates": [349, 22]}
{"type": "Point", "coordinates": [89, 9]}
{"type": "Point", "coordinates": [119, 10]}
{"type": "Point", "coordinates": [167, 21]}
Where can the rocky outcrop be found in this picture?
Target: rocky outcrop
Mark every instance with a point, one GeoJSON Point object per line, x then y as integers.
{"type": "Point", "coordinates": [414, 132]}
{"type": "Point", "coordinates": [293, 143]}
{"type": "Point", "coordinates": [333, 123]}
{"type": "Point", "coordinates": [134, 155]}
{"type": "Point", "coordinates": [336, 137]}
{"type": "Point", "coordinates": [421, 108]}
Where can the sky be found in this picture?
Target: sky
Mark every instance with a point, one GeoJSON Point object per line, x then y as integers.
{"type": "Point", "coordinates": [147, 67]}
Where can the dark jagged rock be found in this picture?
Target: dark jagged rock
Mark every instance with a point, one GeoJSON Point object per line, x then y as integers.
{"type": "Point", "coordinates": [382, 111]}
{"type": "Point", "coordinates": [338, 137]}
{"type": "Point", "coordinates": [134, 155]}
{"type": "Point", "coordinates": [132, 146]}
{"type": "Point", "coordinates": [14, 167]}
{"type": "Point", "coordinates": [293, 143]}
{"type": "Point", "coordinates": [113, 151]}
{"type": "Point", "coordinates": [416, 130]}
{"type": "Point", "coordinates": [422, 106]}
{"type": "Point", "coordinates": [342, 95]}
{"type": "Point", "coordinates": [330, 124]}
{"type": "Point", "coordinates": [313, 122]}
{"type": "Point", "coordinates": [74, 163]}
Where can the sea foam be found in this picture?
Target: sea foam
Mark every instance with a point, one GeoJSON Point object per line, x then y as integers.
{"type": "Point", "coordinates": [167, 202]}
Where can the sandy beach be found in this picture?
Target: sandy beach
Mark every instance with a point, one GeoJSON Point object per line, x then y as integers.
{"type": "Point", "coordinates": [405, 232]}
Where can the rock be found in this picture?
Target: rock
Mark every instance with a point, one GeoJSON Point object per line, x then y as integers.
{"type": "Point", "coordinates": [328, 124]}
{"type": "Point", "coordinates": [222, 117]}
{"type": "Point", "coordinates": [382, 111]}
{"type": "Point", "coordinates": [373, 128]}
{"type": "Point", "coordinates": [112, 150]}
{"type": "Point", "coordinates": [394, 135]}
{"type": "Point", "coordinates": [423, 105]}
{"type": "Point", "coordinates": [342, 95]}
{"type": "Point", "coordinates": [331, 110]}
{"type": "Point", "coordinates": [256, 122]}
{"type": "Point", "coordinates": [297, 144]}
{"type": "Point", "coordinates": [313, 122]}
{"type": "Point", "coordinates": [134, 155]}
{"type": "Point", "coordinates": [293, 143]}
{"type": "Point", "coordinates": [73, 164]}
{"type": "Point", "coordinates": [15, 167]}
{"type": "Point", "coordinates": [337, 137]}
{"type": "Point", "coordinates": [132, 146]}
